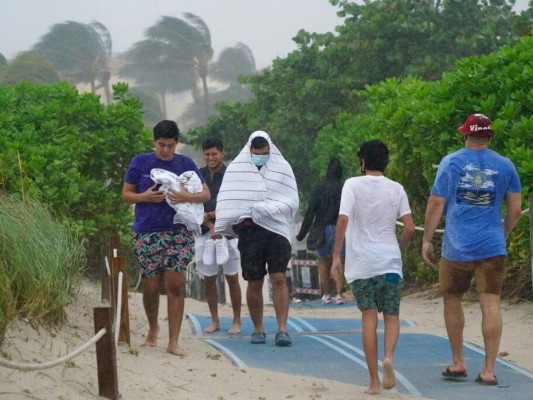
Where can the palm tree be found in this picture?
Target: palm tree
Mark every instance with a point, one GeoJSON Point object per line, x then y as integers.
{"type": "Point", "coordinates": [232, 64]}
{"type": "Point", "coordinates": [80, 52]}
{"type": "Point", "coordinates": [30, 67]}
{"type": "Point", "coordinates": [204, 54]}
{"type": "Point", "coordinates": [152, 110]}
{"type": "Point", "coordinates": [174, 56]}
{"type": "Point", "coordinates": [104, 76]}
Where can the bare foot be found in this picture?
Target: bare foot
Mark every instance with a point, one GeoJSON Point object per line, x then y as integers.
{"type": "Point", "coordinates": [151, 337]}
{"type": "Point", "coordinates": [176, 350]}
{"type": "Point", "coordinates": [372, 389]}
{"type": "Point", "coordinates": [235, 328]}
{"type": "Point", "coordinates": [215, 326]}
{"type": "Point", "coordinates": [389, 379]}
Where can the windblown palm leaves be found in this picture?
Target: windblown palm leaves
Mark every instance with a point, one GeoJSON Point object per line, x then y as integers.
{"type": "Point", "coordinates": [174, 56]}
{"type": "Point", "coordinates": [152, 112]}
{"type": "Point", "coordinates": [232, 63]}
{"type": "Point", "coordinates": [80, 52]}
{"type": "Point", "coordinates": [30, 67]}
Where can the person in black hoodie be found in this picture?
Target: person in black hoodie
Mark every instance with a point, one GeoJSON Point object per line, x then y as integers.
{"type": "Point", "coordinates": [320, 222]}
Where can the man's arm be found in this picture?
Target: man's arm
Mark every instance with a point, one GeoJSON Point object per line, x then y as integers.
{"type": "Point", "coordinates": [130, 195]}
{"type": "Point", "coordinates": [434, 210]}
{"type": "Point", "coordinates": [337, 268]}
{"type": "Point", "coordinates": [408, 230]}
{"type": "Point", "coordinates": [513, 203]}
{"type": "Point", "coordinates": [309, 216]}
{"type": "Point", "coordinates": [183, 196]}
{"type": "Point", "coordinates": [209, 218]}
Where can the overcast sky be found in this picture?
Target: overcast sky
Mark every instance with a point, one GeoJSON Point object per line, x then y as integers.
{"type": "Point", "coordinates": [266, 26]}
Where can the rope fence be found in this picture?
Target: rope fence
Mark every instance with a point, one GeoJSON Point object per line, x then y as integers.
{"type": "Point", "coordinates": [119, 307]}
{"type": "Point", "coordinates": [107, 371]}
{"type": "Point", "coordinates": [421, 228]}
{"type": "Point", "coordinates": [105, 324]}
{"type": "Point", "coordinates": [138, 284]}
{"type": "Point", "coordinates": [50, 364]}
{"type": "Point", "coordinates": [301, 270]}
{"type": "Point", "coordinates": [120, 288]}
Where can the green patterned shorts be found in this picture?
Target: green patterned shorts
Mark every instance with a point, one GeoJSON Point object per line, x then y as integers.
{"type": "Point", "coordinates": [156, 251]}
{"type": "Point", "coordinates": [382, 292]}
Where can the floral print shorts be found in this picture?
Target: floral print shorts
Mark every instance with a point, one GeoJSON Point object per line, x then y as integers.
{"type": "Point", "coordinates": [156, 251]}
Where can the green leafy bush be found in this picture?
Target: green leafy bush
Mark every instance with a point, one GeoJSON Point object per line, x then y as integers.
{"type": "Point", "coordinates": [417, 120]}
{"type": "Point", "coordinates": [70, 152]}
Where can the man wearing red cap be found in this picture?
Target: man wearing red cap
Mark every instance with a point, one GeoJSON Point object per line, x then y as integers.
{"type": "Point", "coordinates": [470, 187]}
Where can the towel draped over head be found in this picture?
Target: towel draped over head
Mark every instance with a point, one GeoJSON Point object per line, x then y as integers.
{"type": "Point", "coordinates": [269, 196]}
{"type": "Point", "coordinates": [189, 214]}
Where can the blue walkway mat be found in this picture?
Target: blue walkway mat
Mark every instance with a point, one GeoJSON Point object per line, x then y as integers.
{"type": "Point", "coordinates": [332, 349]}
{"type": "Point", "coordinates": [294, 325]}
{"type": "Point", "coordinates": [317, 303]}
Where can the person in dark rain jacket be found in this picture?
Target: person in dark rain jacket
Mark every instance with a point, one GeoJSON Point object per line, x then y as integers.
{"type": "Point", "coordinates": [321, 217]}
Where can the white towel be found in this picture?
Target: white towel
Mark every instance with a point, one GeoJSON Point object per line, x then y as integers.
{"type": "Point", "coordinates": [189, 214]}
{"type": "Point", "coordinates": [269, 196]}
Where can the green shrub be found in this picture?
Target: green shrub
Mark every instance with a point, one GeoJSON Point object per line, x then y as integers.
{"type": "Point", "coordinates": [417, 120]}
{"type": "Point", "coordinates": [70, 152]}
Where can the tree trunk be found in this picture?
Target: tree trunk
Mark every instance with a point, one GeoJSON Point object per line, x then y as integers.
{"type": "Point", "coordinates": [107, 91]}
{"type": "Point", "coordinates": [206, 98]}
{"type": "Point", "coordinates": [164, 103]}
{"type": "Point", "coordinates": [106, 78]}
{"type": "Point", "coordinates": [195, 94]}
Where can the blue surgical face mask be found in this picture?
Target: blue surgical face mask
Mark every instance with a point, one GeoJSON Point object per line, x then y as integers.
{"type": "Point", "coordinates": [260, 159]}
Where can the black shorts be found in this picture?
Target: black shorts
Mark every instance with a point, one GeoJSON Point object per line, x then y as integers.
{"type": "Point", "coordinates": [260, 247]}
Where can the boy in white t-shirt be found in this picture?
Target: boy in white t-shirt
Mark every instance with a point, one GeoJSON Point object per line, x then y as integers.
{"type": "Point", "coordinates": [370, 206]}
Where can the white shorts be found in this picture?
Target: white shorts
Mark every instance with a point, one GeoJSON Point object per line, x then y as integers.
{"type": "Point", "coordinates": [231, 267]}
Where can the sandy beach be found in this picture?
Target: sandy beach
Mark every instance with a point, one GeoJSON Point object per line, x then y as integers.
{"type": "Point", "coordinates": [205, 373]}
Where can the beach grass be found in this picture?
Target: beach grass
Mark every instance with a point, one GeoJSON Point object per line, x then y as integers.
{"type": "Point", "coordinates": [41, 263]}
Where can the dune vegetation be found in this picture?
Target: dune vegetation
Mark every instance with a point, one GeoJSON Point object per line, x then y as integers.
{"type": "Point", "coordinates": [41, 263]}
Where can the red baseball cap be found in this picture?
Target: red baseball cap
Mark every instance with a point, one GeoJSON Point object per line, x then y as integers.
{"type": "Point", "coordinates": [477, 125]}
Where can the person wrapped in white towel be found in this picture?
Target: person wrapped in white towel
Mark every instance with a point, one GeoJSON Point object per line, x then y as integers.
{"type": "Point", "coordinates": [257, 201]}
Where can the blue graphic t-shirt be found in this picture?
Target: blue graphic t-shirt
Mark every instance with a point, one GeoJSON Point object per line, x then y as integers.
{"type": "Point", "coordinates": [474, 184]}
{"type": "Point", "coordinates": [155, 217]}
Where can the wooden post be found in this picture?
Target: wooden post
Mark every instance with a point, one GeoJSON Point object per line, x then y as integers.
{"type": "Point", "coordinates": [124, 328]}
{"type": "Point", "coordinates": [531, 233]}
{"type": "Point", "coordinates": [106, 359]}
{"type": "Point", "coordinates": [114, 244]}
{"type": "Point", "coordinates": [118, 263]}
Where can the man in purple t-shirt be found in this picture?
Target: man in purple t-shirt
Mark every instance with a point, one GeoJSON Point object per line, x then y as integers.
{"type": "Point", "coordinates": [164, 249]}
{"type": "Point", "coordinates": [470, 188]}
